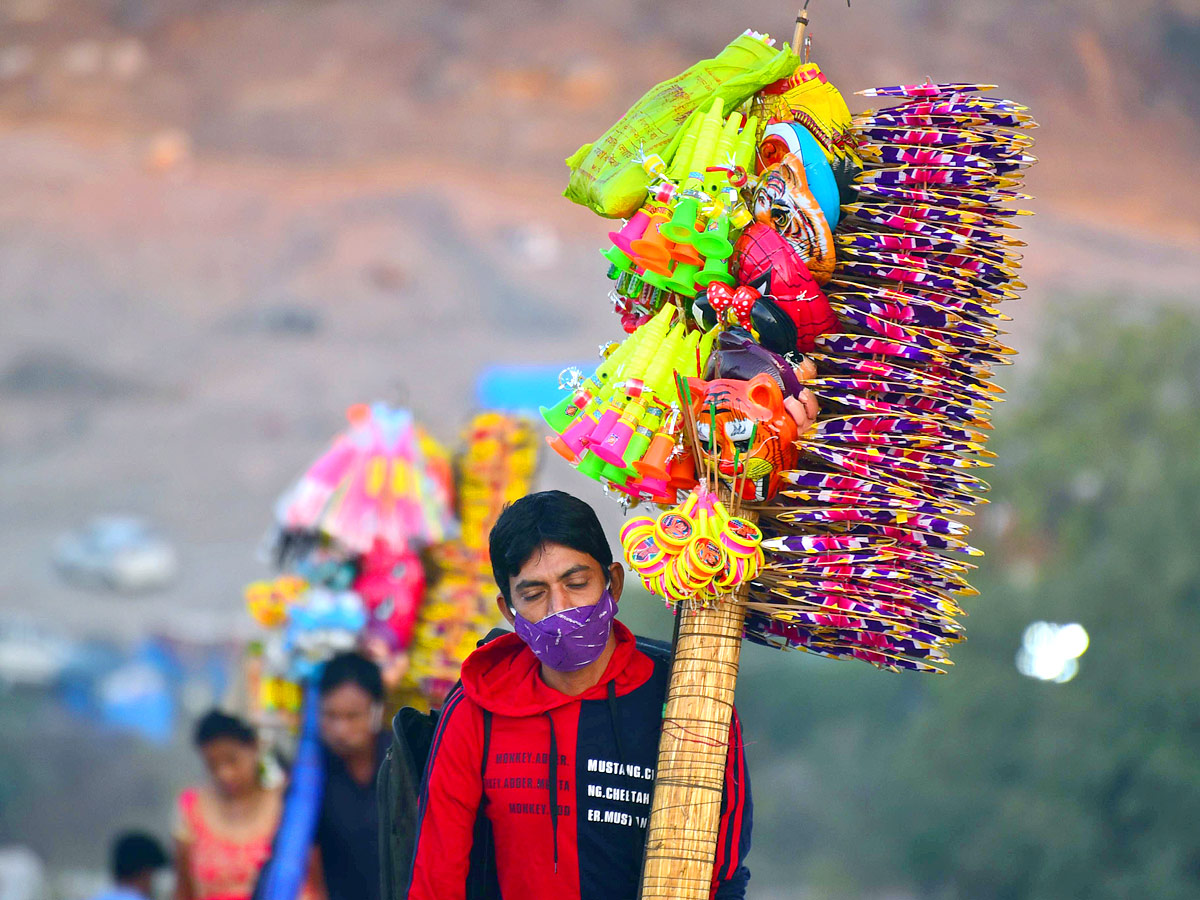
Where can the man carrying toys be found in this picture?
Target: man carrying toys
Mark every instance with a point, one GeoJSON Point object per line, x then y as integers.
{"type": "Point", "coordinates": [547, 750]}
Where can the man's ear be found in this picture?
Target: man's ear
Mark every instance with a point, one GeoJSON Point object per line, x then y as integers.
{"type": "Point", "coordinates": [616, 580]}
{"type": "Point", "coordinates": [505, 610]}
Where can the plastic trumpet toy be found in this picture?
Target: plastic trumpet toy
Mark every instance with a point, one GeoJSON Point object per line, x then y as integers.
{"type": "Point", "coordinates": [590, 408]}
{"type": "Point", "coordinates": [647, 398]}
{"type": "Point", "coordinates": [746, 146]}
{"type": "Point", "coordinates": [632, 231]}
{"type": "Point", "coordinates": [572, 418]}
{"type": "Point", "coordinates": [561, 415]}
{"type": "Point", "coordinates": [676, 353]}
{"type": "Point", "coordinates": [649, 338]}
{"type": "Point", "coordinates": [684, 244]}
{"type": "Point", "coordinates": [608, 423]}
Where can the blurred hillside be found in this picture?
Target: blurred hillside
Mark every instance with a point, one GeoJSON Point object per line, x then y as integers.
{"type": "Point", "coordinates": [514, 85]}
{"type": "Point", "coordinates": [223, 222]}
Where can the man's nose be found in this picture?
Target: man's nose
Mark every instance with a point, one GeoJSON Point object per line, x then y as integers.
{"type": "Point", "coordinates": [559, 600]}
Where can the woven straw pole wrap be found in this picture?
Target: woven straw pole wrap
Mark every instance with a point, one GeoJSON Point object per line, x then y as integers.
{"type": "Point", "coordinates": [682, 840]}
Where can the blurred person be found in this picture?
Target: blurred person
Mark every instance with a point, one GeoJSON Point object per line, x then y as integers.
{"type": "Point", "coordinates": [225, 828]}
{"type": "Point", "coordinates": [351, 725]}
{"type": "Point", "coordinates": [544, 755]}
{"type": "Point", "coordinates": [137, 858]}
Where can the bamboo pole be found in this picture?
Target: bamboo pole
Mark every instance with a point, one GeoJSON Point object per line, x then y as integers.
{"type": "Point", "coordinates": [800, 35]}
{"type": "Point", "coordinates": [685, 815]}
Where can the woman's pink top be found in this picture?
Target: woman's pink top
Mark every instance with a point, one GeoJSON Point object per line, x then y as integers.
{"type": "Point", "coordinates": [221, 869]}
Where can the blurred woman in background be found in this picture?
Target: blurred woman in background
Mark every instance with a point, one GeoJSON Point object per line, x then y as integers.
{"type": "Point", "coordinates": [225, 828]}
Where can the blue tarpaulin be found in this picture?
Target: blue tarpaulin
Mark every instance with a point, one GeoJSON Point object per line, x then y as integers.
{"type": "Point", "coordinates": [522, 388]}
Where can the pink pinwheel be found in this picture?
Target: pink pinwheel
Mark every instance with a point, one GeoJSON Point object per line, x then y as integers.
{"type": "Point", "coordinates": [381, 480]}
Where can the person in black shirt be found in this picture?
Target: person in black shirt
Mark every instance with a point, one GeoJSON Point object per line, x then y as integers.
{"type": "Point", "coordinates": [351, 719]}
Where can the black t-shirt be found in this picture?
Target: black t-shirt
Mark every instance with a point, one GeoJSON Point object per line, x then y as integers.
{"type": "Point", "coordinates": [348, 831]}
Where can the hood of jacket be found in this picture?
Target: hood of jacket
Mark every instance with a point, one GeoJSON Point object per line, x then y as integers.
{"type": "Point", "coordinates": [505, 678]}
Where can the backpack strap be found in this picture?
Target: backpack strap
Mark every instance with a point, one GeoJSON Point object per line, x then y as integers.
{"type": "Point", "coordinates": [384, 789]}
{"type": "Point", "coordinates": [399, 792]}
{"type": "Point", "coordinates": [481, 878]}
{"type": "Point", "coordinates": [487, 741]}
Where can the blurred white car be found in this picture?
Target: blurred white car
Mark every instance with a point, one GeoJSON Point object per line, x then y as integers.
{"type": "Point", "coordinates": [121, 553]}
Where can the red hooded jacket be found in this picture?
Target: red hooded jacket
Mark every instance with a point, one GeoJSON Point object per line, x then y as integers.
{"type": "Point", "coordinates": [566, 783]}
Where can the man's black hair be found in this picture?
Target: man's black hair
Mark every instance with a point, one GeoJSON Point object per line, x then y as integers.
{"type": "Point", "coordinates": [135, 853]}
{"type": "Point", "coordinates": [215, 724]}
{"type": "Point", "coordinates": [548, 517]}
{"type": "Point", "coordinates": [351, 668]}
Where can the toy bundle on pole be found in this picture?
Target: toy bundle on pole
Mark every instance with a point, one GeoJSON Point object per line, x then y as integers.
{"type": "Point", "coordinates": [495, 467]}
{"type": "Point", "coordinates": [348, 541]}
{"type": "Point", "coordinates": [813, 302]}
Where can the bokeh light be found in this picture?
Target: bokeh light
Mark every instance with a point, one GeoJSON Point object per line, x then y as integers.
{"type": "Point", "coordinates": [1050, 652]}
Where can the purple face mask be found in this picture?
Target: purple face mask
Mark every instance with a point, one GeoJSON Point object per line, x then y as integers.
{"type": "Point", "coordinates": [569, 640]}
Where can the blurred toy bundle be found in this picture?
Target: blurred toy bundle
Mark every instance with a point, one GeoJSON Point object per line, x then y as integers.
{"type": "Point", "coordinates": [495, 467]}
{"type": "Point", "coordinates": [372, 556]}
{"type": "Point", "coordinates": [347, 541]}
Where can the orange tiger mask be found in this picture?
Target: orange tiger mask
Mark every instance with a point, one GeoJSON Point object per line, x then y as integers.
{"type": "Point", "coordinates": [740, 406]}
{"type": "Point", "coordinates": [784, 202]}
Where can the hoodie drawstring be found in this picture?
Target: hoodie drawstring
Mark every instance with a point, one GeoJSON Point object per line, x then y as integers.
{"type": "Point", "coordinates": [613, 717]}
{"type": "Point", "coordinates": [553, 787]}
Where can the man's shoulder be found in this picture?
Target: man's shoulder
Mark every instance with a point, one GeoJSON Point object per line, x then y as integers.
{"type": "Point", "coordinates": [659, 651]}
{"type": "Point", "coordinates": [652, 683]}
